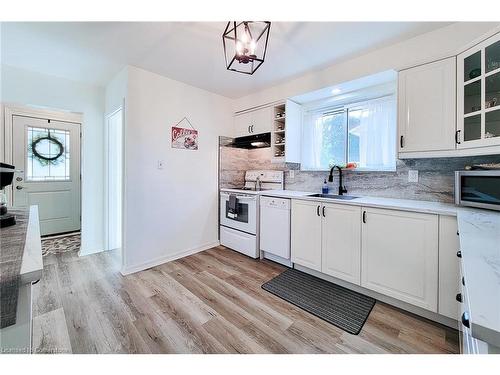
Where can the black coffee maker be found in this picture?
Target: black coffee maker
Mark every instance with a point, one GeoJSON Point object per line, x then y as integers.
{"type": "Point", "coordinates": [6, 176]}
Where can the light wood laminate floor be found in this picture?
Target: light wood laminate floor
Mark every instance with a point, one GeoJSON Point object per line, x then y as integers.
{"type": "Point", "coordinates": [210, 302]}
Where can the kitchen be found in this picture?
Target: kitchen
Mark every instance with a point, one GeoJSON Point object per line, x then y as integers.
{"type": "Point", "coordinates": [349, 206]}
{"type": "Point", "coordinates": [389, 231]}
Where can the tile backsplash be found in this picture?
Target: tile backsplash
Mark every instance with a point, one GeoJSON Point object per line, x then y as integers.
{"type": "Point", "coordinates": [435, 179]}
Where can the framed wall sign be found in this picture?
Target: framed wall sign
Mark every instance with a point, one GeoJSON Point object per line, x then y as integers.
{"type": "Point", "coordinates": [184, 138]}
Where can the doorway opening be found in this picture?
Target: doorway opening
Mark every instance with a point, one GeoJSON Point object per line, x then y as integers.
{"type": "Point", "coordinates": [44, 146]}
{"type": "Point", "coordinates": [114, 181]}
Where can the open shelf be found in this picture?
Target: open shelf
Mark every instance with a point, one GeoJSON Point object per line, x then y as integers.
{"type": "Point", "coordinates": [279, 133]}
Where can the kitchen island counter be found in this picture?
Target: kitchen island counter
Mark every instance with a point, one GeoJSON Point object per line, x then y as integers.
{"type": "Point", "coordinates": [22, 264]}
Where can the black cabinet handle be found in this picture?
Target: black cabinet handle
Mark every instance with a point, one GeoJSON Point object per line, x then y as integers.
{"type": "Point", "coordinates": [457, 137]}
{"type": "Point", "coordinates": [317, 211]}
{"type": "Point", "coordinates": [323, 211]}
{"type": "Point", "coordinates": [459, 254]}
{"type": "Point", "coordinates": [251, 128]}
{"type": "Point", "coordinates": [248, 129]}
{"type": "Point", "coordinates": [458, 297]}
{"type": "Point", "coordinates": [465, 319]}
{"type": "Point", "coordinates": [463, 281]}
{"type": "Point", "coordinates": [401, 142]}
{"type": "Point", "coordinates": [364, 217]}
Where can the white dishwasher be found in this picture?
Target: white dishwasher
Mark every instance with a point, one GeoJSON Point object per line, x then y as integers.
{"type": "Point", "coordinates": [275, 229]}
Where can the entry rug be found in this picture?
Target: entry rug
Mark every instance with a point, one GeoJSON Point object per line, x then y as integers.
{"type": "Point", "coordinates": [337, 305]}
{"type": "Point", "coordinates": [60, 244]}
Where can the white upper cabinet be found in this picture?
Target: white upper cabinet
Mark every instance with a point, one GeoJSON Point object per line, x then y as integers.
{"type": "Point", "coordinates": [400, 255]}
{"type": "Point", "coordinates": [253, 122]}
{"type": "Point", "coordinates": [341, 242]}
{"type": "Point", "coordinates": [242, 124]}
{"type": "Point", "coordinates": [427, 107]}
{"type": "Point", "coordinates": [262, 120]}
{"type": "Point", "coordinates": [478, 95]}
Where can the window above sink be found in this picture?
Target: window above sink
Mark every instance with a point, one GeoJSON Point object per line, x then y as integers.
{"type": "Point", "coordinates": [362, 132]}
{"type": "Point", "coordinates": [361, 129]}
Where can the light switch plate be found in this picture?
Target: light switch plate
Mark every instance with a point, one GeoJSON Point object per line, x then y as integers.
{"type": "Point", "coordinates": [291, 174]}
{"type": "Point", "coordinates": [160, 164]}
{"type": "Point", "coordinates": [412, 175]}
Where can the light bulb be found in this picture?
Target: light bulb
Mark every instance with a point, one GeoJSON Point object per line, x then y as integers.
{"type": "Point", "coordinates": [244, 37]}
{"type": "Point", "coordinates": [253, 46]}
{"type": "Point", "coordinates": [239, 48]}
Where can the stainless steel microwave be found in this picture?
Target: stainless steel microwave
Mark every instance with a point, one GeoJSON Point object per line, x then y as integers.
{"type": "Point", "coordinates": [479, 189]}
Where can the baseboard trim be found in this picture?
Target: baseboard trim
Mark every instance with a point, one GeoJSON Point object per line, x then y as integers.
{"type": "Point", "coordinates": [168, 258]}
{"type": "Point", "coordinates": [59, 235]}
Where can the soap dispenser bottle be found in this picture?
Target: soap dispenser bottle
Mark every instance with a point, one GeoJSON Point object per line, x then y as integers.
{"type": "Point", "coordinates": [324, 189]}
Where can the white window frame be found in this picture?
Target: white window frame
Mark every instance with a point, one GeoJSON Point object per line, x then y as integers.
{"type": "Point", "coordinates": [350, 107]}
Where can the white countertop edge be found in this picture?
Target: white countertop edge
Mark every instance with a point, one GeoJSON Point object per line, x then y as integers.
{"type": "Point", "coordinates": [480, 246]}
{"type": "Point", "coordinates": [438, 208]}
{"type": "Point", "coordinates": [485, 334]}
{"type": "Point", "coordinates": [32, 262]}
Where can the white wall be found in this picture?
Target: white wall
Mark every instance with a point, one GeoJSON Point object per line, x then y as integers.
{"type": "Point", "coordinates": [172, 212]}
{"type": "Point", "coordinates": [30, 88]}
{"type": "Point", "coordinates": [116, 91]}
{"type": "Point", "coordinates": [427, 47]}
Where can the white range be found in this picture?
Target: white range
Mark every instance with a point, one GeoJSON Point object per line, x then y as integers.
{"type": "Point", "coordinates": [240, 211]}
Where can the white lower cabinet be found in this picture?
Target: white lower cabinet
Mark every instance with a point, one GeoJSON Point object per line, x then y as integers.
{"type": "Point", "coordinates": [306, 234]}
{"type": "Point", "coordinates": [400, 255]}
{"type": "Point", "coordinates": [341, 242]}
{"type": "Point", "coordinates": [409, 256]}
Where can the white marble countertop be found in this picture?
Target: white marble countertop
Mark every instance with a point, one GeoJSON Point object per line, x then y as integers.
{"type": "Point", "coordinates": [480, 246]}
{"type": "Point", "coordinates": [32, 262]}
{"type": "Point", "coordinates": [389, 203]}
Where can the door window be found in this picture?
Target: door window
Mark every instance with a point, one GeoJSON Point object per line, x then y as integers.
{"type": "Point", "coordinates": [48, 155]}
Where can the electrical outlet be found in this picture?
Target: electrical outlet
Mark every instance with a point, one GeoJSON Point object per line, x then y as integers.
{"type": "Point", "coordinates": [160, 164]}
{"type": "Point", "coordinates": [412, 175]}
{"type": "Point", "coordinates": [291, 174]}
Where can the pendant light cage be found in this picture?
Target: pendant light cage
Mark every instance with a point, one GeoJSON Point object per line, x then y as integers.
{"type": "Point", "coordinates": [245, 45]}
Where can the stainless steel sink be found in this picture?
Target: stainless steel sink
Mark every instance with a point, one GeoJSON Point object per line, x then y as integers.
{"type": "Point", "coordinates": [334, 196]}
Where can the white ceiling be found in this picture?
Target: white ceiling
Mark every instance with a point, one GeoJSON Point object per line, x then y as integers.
{"type": "Point", "coordinates": [191, 52]}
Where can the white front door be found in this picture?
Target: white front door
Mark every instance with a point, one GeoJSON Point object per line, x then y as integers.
{"type": "Point", "coordinates": [46, 154]}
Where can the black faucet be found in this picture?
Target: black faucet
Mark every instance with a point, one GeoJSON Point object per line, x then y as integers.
{"type": "Point", "coordinates": [342, 189]}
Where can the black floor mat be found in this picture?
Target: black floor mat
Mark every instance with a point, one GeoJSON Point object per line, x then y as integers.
{"type": "Point", "coordinates": [335, 304]}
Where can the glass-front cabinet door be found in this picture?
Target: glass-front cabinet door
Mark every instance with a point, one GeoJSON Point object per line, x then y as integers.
{"type": "Point", "coordinates": [478, 97]}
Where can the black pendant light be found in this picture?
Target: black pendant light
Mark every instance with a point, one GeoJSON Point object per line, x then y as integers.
{"type": "Point", "coordinates": [245, 45]}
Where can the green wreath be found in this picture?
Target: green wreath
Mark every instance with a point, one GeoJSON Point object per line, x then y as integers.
{"type": "Point", "coordinates": [45, 160]}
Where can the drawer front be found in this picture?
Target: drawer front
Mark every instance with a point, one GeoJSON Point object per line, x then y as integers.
{"type": "Point", "coordinates": [242, 242]}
